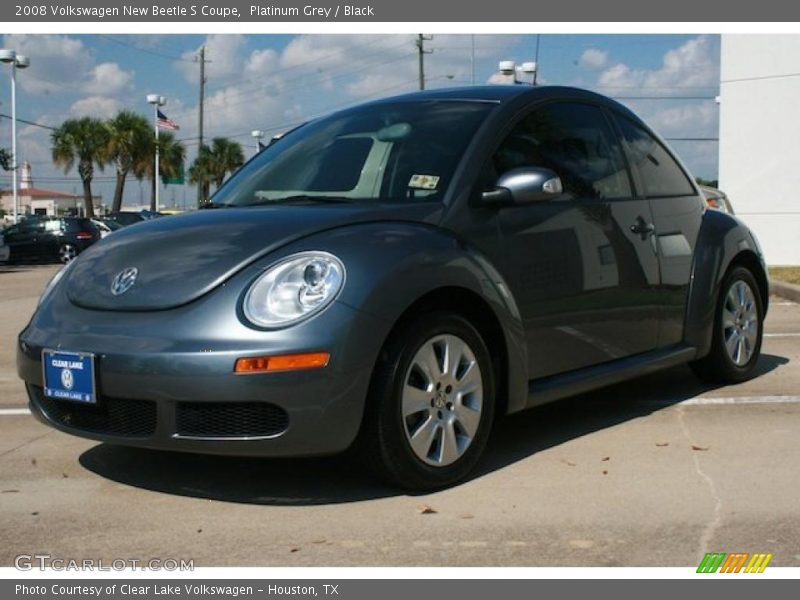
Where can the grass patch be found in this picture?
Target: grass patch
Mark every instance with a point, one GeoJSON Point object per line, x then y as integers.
{"type": "Point", "coordinates": [787, 274]}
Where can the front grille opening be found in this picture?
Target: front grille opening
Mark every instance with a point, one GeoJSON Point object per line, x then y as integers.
{"type": "Point", "coordinates": [229, 419]}
{"type": "Point", "coordinates": [113, 416]}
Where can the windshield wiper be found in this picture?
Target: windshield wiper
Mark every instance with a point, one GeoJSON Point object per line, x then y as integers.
{"type": "Point", "coordinates": [300, 198]}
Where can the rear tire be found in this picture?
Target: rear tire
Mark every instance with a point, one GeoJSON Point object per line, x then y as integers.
{"type": "Point", "coordinates": [431, 403]}
{"type": "Point", "coordinates": [67, 253]}
{"type": "Point", "coordinates": [738, 331]}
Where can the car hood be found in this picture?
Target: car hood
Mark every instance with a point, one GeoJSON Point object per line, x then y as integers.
{"type": "Point", "coordinates": [180, 258]}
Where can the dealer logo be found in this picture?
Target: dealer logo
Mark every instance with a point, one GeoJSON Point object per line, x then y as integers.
{"type": "Point", "coordinates": [124, 280]}
{"type": "Point", "coordinates": [67, 379]}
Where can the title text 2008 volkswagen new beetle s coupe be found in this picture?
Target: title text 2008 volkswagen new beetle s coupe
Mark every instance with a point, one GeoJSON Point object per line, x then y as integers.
{"type": "Point", "coordinates": [397, 276]}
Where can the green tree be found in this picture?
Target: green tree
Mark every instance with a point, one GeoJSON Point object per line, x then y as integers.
{"type": "Point", "coordinates": [129, 141]}
{"type": "Point", "coordinates": [201, 173]}
{"type": "Point", "coordinates": [5, 159]}
{"type": "Point", "coordinates": [171, 155]}
{"type": "Point", "coordinates": [83, 142]}
{"type": "Point", "coordinates": [214, 163]}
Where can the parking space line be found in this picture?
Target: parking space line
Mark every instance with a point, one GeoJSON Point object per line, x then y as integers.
{"type": "Point", "coordinates": [781, 335]}
{"type": "Point", "coordinates": [13, 412]}
{"type": "Point", "coordinates": [729, 400]}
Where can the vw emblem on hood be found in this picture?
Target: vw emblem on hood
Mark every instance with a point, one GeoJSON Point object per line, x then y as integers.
{"type": "Point", "coordinates": [124, 280]}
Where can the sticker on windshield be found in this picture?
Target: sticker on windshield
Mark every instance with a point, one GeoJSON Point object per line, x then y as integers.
{"type": "Point", "coordinates": [424, 182]}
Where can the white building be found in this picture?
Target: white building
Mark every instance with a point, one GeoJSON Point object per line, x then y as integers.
{"type": "Point", "coordinates": [759, 149]}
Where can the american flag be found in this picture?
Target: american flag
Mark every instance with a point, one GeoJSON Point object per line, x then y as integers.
{"type": "Point", "coordinates": [165, 122]}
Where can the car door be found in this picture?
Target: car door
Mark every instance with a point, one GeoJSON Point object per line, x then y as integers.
{"type": "Point", "coordinates": [582, 267]}
{"type": "Point", "coordinates": [677, 214]}
{"type": "Point", "coordinates": [22, 239]}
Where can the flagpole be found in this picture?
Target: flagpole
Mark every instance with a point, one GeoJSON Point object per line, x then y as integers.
{"type": "Point", "coordinates": [156, 101]}
{"type": "Point", "coordinates": [157, 171]}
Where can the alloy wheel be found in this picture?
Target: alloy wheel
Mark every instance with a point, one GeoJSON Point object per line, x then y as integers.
{"type": "Point", "coordinates": [442, 400]}
{"type": "Point", "coordinates": [740, 322]}
{"type": "Point", "coordinates": [66, 253]}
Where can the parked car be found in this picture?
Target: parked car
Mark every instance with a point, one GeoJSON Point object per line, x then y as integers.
{"type": "Point", "coordinates": [106, 226]}
{"type": "Point", "coordinates": [4, 250]}
{"type": "Point", "coordinates": [716, 199]}
{"type": "Point", "coordinates": [48, 238]}
{"type": "Point", "coordinates": [395, 276]}
{"type": "Point", "coordinates": [125, 218]}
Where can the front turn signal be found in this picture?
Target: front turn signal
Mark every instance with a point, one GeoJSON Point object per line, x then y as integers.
{"type": "Point", "coordinates": [282, 362]}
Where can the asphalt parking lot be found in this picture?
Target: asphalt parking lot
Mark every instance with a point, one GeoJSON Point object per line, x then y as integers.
{"type": "Point", "coordinates": [654, 472]}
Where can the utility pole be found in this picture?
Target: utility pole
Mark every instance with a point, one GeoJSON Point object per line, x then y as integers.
{"type": "Point", "coordinates": [202, 59]}
{"type": "Point", "coordinates": [472, 60]}
{"type": "Point", "coordinates": [421, 52]}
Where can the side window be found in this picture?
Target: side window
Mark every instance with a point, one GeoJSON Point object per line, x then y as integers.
{"type": "Point", "coordinates": [31, 226]}
{"type": "Point", "coordinates": [573, 140]}
{"type": "Point", "coordinates": [661, 175]}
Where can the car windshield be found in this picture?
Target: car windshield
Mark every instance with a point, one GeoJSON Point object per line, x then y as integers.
{"type": "Point", "coordinates": [392, 152]}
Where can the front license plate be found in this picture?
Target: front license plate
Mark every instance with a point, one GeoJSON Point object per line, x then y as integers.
{"type": "Point", "coordinates": [69, 376]}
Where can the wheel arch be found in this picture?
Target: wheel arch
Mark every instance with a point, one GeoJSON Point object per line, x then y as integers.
{"type": "Point", "coordinates": [723, 242]}
{"type": "Point", "coordinates": [475, 309]}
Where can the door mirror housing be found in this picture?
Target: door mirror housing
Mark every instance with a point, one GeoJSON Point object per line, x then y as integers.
{"type": "Point", "coordinates": [524, 185]}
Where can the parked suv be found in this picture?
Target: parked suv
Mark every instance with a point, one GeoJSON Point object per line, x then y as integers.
{"type": "Point", "coordinates": [46, 238]}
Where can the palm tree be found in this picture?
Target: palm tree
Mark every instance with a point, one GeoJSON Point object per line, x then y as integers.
{"type": "Point", "coordinates": [171, 156]}
{"type": "Point", "coordinates": [227, 155]}
{"type": "Point", "coordinates": [201, 173]}
{"type": "Point", "coordinates": [85, 142]}
{"type": "Point", "coordinates": [213, 163]}
{"type": "Point", "coordinates": [129, 137]}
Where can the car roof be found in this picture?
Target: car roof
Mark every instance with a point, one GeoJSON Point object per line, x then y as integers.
{"type": "Point", "coordinates": [501, 94]}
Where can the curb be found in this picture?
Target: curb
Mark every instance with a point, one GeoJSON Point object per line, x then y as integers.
{"type": "Point", "coordinates": [789, 291]}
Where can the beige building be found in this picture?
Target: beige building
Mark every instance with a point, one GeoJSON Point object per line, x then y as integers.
{"type": "Point", "coordinates": [39, 201]}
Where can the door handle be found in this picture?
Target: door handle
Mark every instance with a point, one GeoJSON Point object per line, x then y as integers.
{"type": "Point", "coordinates": [642, 228]}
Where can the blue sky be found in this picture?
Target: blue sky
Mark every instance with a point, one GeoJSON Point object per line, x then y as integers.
{"type": "Point", "coordinates": [271, 82]}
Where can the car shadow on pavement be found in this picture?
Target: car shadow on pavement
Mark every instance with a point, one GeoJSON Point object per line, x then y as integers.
{"type": "Point", "coordinates": [340, 479]}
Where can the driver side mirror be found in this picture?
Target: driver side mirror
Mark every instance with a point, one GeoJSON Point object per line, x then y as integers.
{"type": "Point", "coordinates": [524, 185]}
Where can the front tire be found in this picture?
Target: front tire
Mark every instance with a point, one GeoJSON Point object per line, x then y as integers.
{"type": "Point", "coordinates": [431, 403]}
{"type": "Point", "coordinates": [738, 331]}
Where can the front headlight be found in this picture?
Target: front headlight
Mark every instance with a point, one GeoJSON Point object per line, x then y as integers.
{"type": "Point", "coordinates": [54, 282]}
{"type": "Point", "coordinates": [299, 286]}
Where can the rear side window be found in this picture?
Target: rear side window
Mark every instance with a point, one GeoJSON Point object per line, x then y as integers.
{"type": "Point", "coordinates": [661, 175]}
{"type": "Point", "coordinates": [576, 142]}
{"type": "Point", "coordinates": [78, 225]}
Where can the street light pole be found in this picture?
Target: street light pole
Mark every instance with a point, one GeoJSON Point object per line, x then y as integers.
{"type": "Point", "coordinates": [156, 101]}
{"type": "Point", "coordinates": [17, 61]}
{"type": "Point", "coordinates": [258, 135]}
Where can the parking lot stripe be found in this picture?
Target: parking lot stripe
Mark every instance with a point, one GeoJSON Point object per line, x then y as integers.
{"type": "Point", "coordinates": [702, 401]}
{"type": "Point", "coordinates": [781, 335]}
{"type": "Point", "coordinates": [11, 412]}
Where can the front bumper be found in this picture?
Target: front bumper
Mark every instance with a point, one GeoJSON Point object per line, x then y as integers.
{"type": "Point", "coordinates": [165, 381]}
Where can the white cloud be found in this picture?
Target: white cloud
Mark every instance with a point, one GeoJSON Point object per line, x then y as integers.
{"type": "Point", "coordinates": [223, 53]}
{"type": "Point", "coordinates": [692, 65]}
{"type": "Point", "coordinates": [99, 107]}
{"type": "Point", "coordinates": [109, 79]}
{"type": "Point", "coordinates": [593, 59]}
{"type": "Point", "coordinates": [55, 59]}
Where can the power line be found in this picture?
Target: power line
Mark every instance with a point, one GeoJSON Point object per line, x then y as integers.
{"type": "Point", "coordinates": [145, 50]}
{"type": "Point", "coordinates": [29, 122]}
{"type": "Point", "coordinates": [783, 76]}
